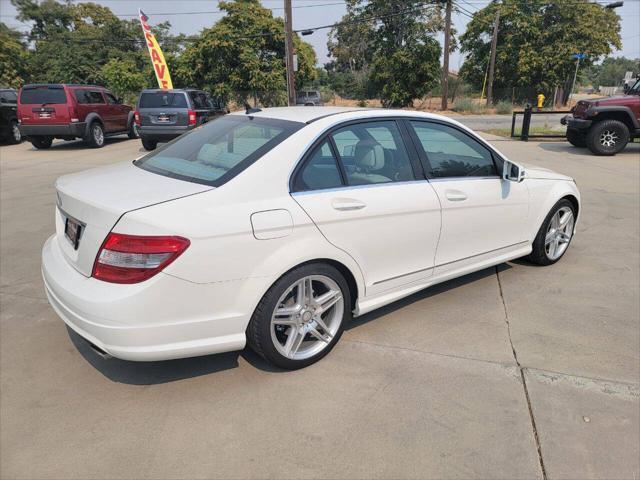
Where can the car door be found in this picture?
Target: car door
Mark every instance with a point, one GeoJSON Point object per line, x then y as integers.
{"type": "Point", "coordinates": [99, 106]}
{"type": "Point", "coordinates": [364, 188]}
{"type": "Point", "coordinates": [482, 214]}
{"type": "Point", "coordinates": [118, 113]}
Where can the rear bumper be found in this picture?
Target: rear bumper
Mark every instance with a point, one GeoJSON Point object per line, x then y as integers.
{"type": "Point", "coordinates": [576, 123]}
{"type": "Point", "coordinates": [160, 319]}
{"type": "Point", "coordinates": [68, 130]}
{"type": "Point", "coordinates": [161, 133]}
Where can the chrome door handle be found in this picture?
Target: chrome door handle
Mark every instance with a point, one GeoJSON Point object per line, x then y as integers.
{"type": "Point", "coordinates": [347, 204]}
{"type": "Point", "coordinates": [455, 195]}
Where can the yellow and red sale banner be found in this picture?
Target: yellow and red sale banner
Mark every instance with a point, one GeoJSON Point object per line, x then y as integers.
{"type": "Point", "coordinates": [157, 58]}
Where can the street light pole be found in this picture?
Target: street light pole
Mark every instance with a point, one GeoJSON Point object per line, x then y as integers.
{"type": "Point", "coordinates": [492, 61]}
{"type": "Point", "coordinates": [288, 43]}
{"type": "Point", "coordinates": [445, 60]}
{"type": "Point", "coordinates": [575, 75]}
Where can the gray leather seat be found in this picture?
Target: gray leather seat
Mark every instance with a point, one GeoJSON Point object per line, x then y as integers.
{"type": "Point", "coordinates": [369, 161]}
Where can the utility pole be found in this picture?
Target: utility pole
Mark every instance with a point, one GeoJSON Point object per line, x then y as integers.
{"type": "Point", "coordinates": [445, 60]}
{"type": "Point", "coordinates": [492, 61]}
{"type": "Point", "coordinates": [288, 44]}
{"type": "Point", "coordinates": [578, 57]}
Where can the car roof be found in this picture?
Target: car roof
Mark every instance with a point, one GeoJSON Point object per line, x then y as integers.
{"type": "Point", "coordinates": [58, 85]}
{"type": "Point", "coordinates": [311, 114]}
{"type": "Point", "coordinates": [172, 90]}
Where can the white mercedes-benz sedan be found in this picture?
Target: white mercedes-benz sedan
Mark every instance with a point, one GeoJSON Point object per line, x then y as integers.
{"type": "Point", "coordinates": [274, 227]}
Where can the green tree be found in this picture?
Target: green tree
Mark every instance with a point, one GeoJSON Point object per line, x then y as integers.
{"type": "Point", "coordinates": [123, 77]}
{"type": "Point", "coordinates": [87, 43]}
{"type": "Point", "coordinates": [391, 45]}
{"type": "Point", "coordinates": [536, 41]}
{"type": "Point", "coordinates": [612, 70]}
{"type": "Point", "coordinates": [14, 58]}
{"type": "Point", "coordinates": [242, 55]}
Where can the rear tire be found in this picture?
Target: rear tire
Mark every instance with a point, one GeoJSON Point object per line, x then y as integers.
{"type": "Point", "coordinates": [607, 137]}
{"type": "Point", "coordinates": [148, 144]}
{"type": "Point", "coordinates": [41, 143]}
{"type": "Point", "coordinates": [297, 323]}
{"type": "Point", "coordinates": [576, 138]}
{"type": "Point", "coordinates": [555, 234]}
{"type": "Point", "coordinates": [96, 135]}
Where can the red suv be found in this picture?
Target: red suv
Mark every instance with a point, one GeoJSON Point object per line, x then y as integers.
{"type": "Point", "coordinates": [48, 111]}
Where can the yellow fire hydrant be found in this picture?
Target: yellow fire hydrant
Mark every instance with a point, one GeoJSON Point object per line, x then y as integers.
{"type": "Point", "coordinates": [540, 100]}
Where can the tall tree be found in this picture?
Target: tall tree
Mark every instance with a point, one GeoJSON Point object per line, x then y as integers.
{"type": "Point", "coordinates": [74, 43]}
{"type": "Point", "coordinates": [393, 42]}
{"type": "Point", "coordinates": [13, 58]}
{"type": "Point", "coordinates": [612, 70]}
{"type": "Point", "coordinates": [242, 55]}
{"type": "Point", "coordinates": [536, 41]}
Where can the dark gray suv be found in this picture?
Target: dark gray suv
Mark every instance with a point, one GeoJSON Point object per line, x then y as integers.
{"type": "Point", "coordinates": [162, 115]}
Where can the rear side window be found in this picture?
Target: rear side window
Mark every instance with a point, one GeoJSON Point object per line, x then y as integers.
{"type": "Point", "coordinates": [451, 153]}
{"type": "Point", "coordinates": [41, 95]}
{"type": "Point", "coordinates": [320, 171]}
{"type": "Point", "coordinates": [81, 96]}
{"type": "Point", "coordinates": [163, 99]}
{"type": "Point", "coordinates": [219, 150]}
{"type": "Point", "coordinates": [199, 100]}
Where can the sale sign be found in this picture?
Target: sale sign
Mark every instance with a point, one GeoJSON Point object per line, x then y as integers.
{"type": "Point", "coordinates": [157, 58]}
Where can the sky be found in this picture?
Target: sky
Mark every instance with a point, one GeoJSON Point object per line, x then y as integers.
{"type": "Point", "coordinates": [307, 14]}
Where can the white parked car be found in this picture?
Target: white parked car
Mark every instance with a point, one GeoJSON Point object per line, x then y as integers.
{"type": "Point", "coordinates": [275, 227]}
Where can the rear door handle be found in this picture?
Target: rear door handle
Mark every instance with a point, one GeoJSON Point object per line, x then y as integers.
{"type": "Point", "coordinates": [347, 204]}
{"type": "Point", "coordinates": [455, 195]}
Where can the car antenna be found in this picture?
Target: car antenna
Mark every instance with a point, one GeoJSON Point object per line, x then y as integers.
{"type": "Point", "coordinates": [249, 109]}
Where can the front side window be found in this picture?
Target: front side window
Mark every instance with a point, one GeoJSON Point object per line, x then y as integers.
{"type": "Point", "coordinates": [451, 153]}
{"type": "Point", "coordinates": [95, 97]}
{"type": "Point", "coordinates": [219, 150]}
{"type": "Point", "coordinates": [320, 171]}
{"type": "Point", "coordinates": [110, 98]}
{"type": "Point", "coordinates": [373, 152]}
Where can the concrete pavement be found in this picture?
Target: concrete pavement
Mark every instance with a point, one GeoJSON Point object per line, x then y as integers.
{"type": "Point", "coordinates": [430, 387]}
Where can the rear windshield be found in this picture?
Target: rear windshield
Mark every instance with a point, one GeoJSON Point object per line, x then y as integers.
{"type": "Point", "coordinates": [163, 99]}
{"type": "Point", "coordinates": [40, 95]}
{"type": "Point", "coordinates": [219, 150]}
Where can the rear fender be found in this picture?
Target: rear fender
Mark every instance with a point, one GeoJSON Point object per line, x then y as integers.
{"type": "Point", "coordinates": [93, 116]}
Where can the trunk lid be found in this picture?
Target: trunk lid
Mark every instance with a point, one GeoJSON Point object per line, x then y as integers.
{"type": "Point", "coordinates": [97, 198]}
{"type": "Point", "coordinates": [163, 108]}
{"type": "Point", "coordinates": [44, 105]}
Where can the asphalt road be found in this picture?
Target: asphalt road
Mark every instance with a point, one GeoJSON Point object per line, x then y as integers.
{"type": "Point", "coordinates": [512, 372]}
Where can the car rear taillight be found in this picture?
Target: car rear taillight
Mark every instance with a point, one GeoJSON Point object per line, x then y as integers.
{"type": "Point", "coordinates": [192, 117]}
{"type": "Point", "coordinates": [132, 258]}
{"type": "Point", "coordinates": [73, 115]}
{"type": "Point", "coordinates": [136, 117]}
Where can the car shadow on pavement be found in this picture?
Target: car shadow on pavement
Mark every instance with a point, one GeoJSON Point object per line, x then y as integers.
{"type": "Point", "coordinates": [80, 145]}
{"type": "Point", "coordinates": [567, 148]}
{"type": "Point", "coordinates": [153, 373]}
{"type": "Point", "coordinates": [426, 293]}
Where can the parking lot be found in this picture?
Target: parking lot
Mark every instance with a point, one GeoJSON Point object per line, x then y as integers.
{"type": "Point", "coordinates": [513, 372]}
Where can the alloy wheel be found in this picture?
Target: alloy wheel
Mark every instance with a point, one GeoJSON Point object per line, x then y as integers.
{"type": "Point", "coordinates": [307, 317]}
{"type": "Point", "coordinates": [559, 233]}
{"type": "Point", "coordinates": [17, 136]}
{"type": "Point", "coordinates": [98, 134]}
{"type": "Point", "coordinates": [609, 138]}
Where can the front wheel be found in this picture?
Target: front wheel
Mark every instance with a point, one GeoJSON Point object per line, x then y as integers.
{"type": "Point", "coordinates": [555, 234]}
{"type": "Point", "coordinates": [607, 137]}
{"type": "Point", "coordinates": [302, 316]}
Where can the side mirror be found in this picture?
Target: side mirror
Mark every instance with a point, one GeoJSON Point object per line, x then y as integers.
{"type": "Point", "coordinates": [118, 100]}
{"type": "Point", "coordinates": [512, 172]}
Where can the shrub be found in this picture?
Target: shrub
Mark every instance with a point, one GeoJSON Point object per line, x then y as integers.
{"type": "Point", "coordinates": [504, 106]}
